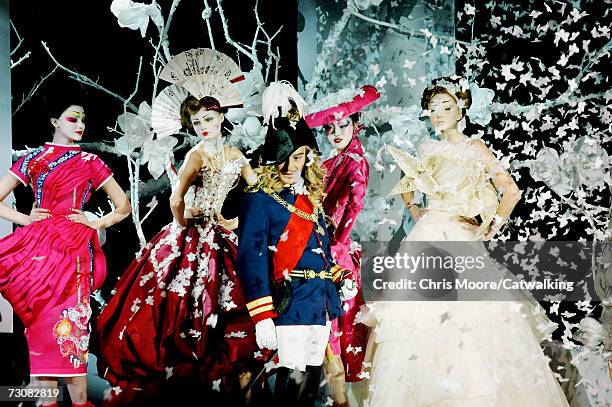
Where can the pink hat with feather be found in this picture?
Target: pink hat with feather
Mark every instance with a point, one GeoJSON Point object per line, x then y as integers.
{"type": "Point", "coordinates": [341, 104]}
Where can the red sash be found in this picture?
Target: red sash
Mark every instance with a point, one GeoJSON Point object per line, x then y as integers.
{"type": "Point", "coordinates": [298, 230]}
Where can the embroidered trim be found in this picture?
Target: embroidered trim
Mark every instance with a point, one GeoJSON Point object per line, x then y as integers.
{"type": "Point", "coordinates": [41, 179]}
{"type": "Point", "coordinates": [85, 196]}
{"type": "Point", "coordinates": [23, 168]}
{"type": "Point", "coordinates": [71, 332]}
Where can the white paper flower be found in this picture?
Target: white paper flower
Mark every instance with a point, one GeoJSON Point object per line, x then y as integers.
{"type": "Point", "coordinates": [137, 129]}
{"type": "Point", "coordinates": [135, 16]}
{"type": "Point", "coordinates": [589, 160]}
{"type": "Point", "coordinates": [156, 152]}
{"type": "Point", "coordinates": [590, 332]}
{"type": "Point", "coordinates": [365, 4]}
{"type": "Point", "coordinates": [548, 169]}
{"type": "Point", "coordinates": [480, 110]}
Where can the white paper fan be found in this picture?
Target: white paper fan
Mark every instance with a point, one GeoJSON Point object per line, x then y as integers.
{"type": "Point", "coordinates": [166, 110]}
{"type": "Point", "coordinates": [199, 61]}
{"type": "Point", "coordinates": [216, 86]}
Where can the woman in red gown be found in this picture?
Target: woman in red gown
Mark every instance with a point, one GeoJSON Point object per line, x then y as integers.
{"type": "Point", "coordinates": [178, 320]}
{"type": "Point", "coordinates": [51, 265]}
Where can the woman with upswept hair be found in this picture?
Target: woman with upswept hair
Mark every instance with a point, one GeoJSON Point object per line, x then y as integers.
{"type": "Point", "coordinates": [467, 352]}
{"type": "Point", "coordinates": [175, 321]}
{"type": "Point", "coordinates": [53, 262]}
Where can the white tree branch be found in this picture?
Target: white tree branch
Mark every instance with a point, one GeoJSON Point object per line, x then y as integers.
{"type": "Point", "coordinates": [206, 15]}
{"type": "Point", "coordinates": [20, 60]}
{"type": "Point", "coordinates": [19, 38]}
{"type": "Point", "coordinates": [252, 54]}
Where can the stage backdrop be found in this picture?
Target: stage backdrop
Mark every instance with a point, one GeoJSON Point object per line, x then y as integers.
{"type": "Point", "coordinates": [6, 312]}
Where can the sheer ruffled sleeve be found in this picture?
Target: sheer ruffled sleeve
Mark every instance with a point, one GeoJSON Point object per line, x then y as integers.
{"type": "Point", "coordinates": [417, 176]}
{"type": "Point", "coordinates": [411, 168]}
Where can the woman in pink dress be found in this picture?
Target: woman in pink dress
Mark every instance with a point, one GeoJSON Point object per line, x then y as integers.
{"type": "Point", "coordinates": [50, 266]}
{"type": "Point", "coordinates": [178, 319]}
{"type": "Point", "coordinates": [346, 184]}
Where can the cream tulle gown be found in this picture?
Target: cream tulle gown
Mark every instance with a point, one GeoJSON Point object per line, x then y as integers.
{"type": "Point", "coordinates": [463, 353]}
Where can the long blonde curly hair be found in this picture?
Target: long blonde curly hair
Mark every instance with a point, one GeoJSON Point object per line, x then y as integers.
{"type": "Point", "coordinates": [314, 179]}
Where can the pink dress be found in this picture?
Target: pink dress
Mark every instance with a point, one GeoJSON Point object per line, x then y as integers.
{"type": "Point", "coordinates": [49, 268]}
{"type": "Point", "coordinates": [346, 184]}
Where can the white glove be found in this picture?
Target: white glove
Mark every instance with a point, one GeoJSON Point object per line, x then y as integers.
{"type": "Point", "coordinates": [348, 290]}
{"type": "Point", "coordinates": [265, 334]}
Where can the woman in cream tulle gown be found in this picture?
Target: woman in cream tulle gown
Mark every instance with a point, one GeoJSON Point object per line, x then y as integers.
{"type": "Point", "coordinates": [462, 353]}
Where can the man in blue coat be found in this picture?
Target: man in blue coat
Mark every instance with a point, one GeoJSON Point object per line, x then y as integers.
{"type": "Point", "coordinates": [284, 260]}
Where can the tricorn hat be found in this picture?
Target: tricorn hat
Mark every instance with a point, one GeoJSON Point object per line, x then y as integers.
{"type": "Point", "coordinates": [284, 138]}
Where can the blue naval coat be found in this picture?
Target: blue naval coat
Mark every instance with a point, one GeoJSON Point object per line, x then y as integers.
{"type": "Point", "coordinates": [261, 222]}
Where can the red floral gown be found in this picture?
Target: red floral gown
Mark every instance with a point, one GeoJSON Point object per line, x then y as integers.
{"type": "Point", "coordinates": [49, 268]}
{"type": "Point", "coordinates": [178, 310]}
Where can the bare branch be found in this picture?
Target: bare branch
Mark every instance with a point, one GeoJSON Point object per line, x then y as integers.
{"type": "Point", "coordinates": [206, 15]}
{"type": "Point", "coordinates": [241, 48]}
{"type": "Point", "coordinates": [85, 80]}
{"type": "Point", "coordinates": [154, 187]}
{"type": "Point", "coordinates": [99, 146]}
{"type": "Point", "coordinates": [150, 212]}
{"type": "Point", "coordinates": [19, 38]}
{"type": "Point", "coordinates": [20, 60]}
{"type": "Point", "coordinates": [33, 90]}
{"type": "Point", "coordinates": [127, 101]}
{"type": "Point", "coordinates": [164, 34]}
{"type": "Point", "coordinates": [395, 27]}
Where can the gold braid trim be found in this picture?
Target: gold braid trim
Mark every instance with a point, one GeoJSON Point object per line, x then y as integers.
{"type": "Point", "coordinates": [313, 217]}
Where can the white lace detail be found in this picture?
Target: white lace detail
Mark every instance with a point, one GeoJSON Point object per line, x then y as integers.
{"type": "Point", "coordinates": [211, 188]}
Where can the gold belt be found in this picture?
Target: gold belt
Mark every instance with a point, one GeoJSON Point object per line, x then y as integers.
{"type": "Point", "coordinates": [310, 274]}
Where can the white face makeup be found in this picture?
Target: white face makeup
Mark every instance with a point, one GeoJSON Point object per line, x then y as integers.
{"type": "Point", "coordinates": [293, 167]}
{"type": "Point", "coordinates": [445, 113]}
{"type": "Point", "coordinates": [207, 123]}
{"type": "Point", "coordinates": [340, 132]}
{"type": "Point", "coordinates": [71, 124]}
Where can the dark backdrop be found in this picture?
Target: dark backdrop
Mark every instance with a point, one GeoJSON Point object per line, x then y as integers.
{"type": "Point", "coordinates": [86, 37]}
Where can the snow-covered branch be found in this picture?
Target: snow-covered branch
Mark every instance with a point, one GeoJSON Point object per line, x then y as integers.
{"type": "Point", "coordinates": [206, 14]}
